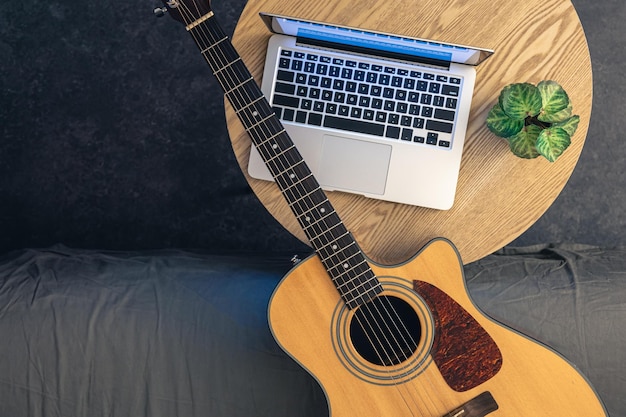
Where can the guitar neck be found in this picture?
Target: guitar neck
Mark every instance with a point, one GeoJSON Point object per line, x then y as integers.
{"type": "Point", "coordinates": [339, 252]}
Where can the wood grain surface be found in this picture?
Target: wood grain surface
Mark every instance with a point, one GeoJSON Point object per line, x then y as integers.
{"type": "Point", "coordinates": [499, 196]}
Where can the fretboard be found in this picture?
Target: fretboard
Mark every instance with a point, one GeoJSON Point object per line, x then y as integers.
{"type": "Point", "coordinates": [339, 252]}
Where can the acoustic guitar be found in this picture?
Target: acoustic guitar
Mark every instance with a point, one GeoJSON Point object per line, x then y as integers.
{"type": "Point", "coordinates": [399, 341]}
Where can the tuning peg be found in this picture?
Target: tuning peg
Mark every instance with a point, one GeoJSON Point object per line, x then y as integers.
{"type": "Point", "coordinates": [160, 11]}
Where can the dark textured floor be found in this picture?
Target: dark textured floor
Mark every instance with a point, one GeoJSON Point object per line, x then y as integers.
{"type": "Point", "coordinates": [113, 136]}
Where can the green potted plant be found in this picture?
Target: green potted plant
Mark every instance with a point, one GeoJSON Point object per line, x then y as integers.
{"type": "Point", "coordinates": [535, 120]}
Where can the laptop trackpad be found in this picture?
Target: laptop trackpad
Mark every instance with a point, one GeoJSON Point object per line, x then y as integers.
{"type": "Point", "coordinates": [354, 165]}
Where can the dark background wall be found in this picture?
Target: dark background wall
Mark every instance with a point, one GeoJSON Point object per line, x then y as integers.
{"type": "Point", "coordinates": [113, 136]}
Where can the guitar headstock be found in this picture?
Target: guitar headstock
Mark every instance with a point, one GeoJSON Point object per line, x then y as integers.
{"type": "Point", "coordinates": [186, 11]}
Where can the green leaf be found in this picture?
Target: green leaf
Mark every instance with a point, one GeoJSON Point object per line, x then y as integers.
{"type": "Point", "coordinates": [554, 99]}
{"type": "Point", "coordinates": [556, 117]}
{"type": "Point", "coordinates": [552, 142]}
{"type": "Point", "coordinates": [520, 100]}
{"type": "Point", "coordinates": [570, 125]}
{"type": "Point", "coordinates": [501, 124]}
{"type": "Point", "coordinates": [523, 143]}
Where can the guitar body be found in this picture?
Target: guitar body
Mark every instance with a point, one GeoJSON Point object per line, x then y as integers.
{"type": "Point", "coordinates": [460, 354]}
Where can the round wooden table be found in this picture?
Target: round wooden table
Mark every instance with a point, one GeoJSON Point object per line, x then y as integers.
{"type": "Point", "coordinates": [499, 196]}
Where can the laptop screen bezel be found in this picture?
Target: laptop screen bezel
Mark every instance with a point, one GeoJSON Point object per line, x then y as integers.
{"type": "Point", "coordinates": [402, 47]}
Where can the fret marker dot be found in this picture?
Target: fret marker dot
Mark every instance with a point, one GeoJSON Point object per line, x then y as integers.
{"type": "Point", "coordinates": [322, 210]}
{"type": "Point", "coordinates": [274, 146]}
{"type": "Point", "coordinates": [307, 218]}
{"type": "Point", "coordinates": [334, 247]}
{"type": "Point", "coordinates": [292, 176]}
{"type": "Point", "coordinates": [346, 266]}
{"type": "Point", "coordinates": [255, 113]}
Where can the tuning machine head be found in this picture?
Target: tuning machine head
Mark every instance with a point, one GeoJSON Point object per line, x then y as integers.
{"type": "Point", "coordinates": [160, 11]}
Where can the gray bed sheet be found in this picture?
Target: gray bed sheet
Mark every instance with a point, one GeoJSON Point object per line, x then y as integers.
{"type": "Point", "coordinates": [175, 333]}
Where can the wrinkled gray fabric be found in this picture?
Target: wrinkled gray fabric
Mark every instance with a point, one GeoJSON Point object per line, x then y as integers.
{"type": "Point", "coordinates": [571, 297]}
{"type": "Point", "coordinates": [182, 334]}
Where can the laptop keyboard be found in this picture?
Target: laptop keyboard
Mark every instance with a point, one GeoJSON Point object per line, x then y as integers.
{"type": "Point", "coordinates": [384, 101]}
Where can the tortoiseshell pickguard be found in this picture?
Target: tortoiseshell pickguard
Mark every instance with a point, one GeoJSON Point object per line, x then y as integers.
{"type": "Point", "coordinates": [464, 352]}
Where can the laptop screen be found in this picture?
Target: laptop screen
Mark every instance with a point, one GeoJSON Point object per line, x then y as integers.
{"type": "Point", "coordinates": [382, 44]}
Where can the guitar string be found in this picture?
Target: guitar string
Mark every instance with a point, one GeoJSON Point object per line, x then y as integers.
{"type": "Point", "coordinates": [358, 319]}
{"type": "Point", "coordinates": [191, 19]}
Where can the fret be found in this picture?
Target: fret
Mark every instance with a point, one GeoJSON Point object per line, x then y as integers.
{"type": "Point", "coordinates": [347, 266]}
{"type": "Point", "coordinates": [213, 45]}
{"type": "Point", "coordinates": [225, 67]}
{"type": "Point", "coordinates": [238, 86]}
{"type": "Point", "coordinates": [255, 102]}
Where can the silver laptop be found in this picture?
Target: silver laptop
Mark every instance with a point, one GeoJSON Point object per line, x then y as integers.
{"type": "Point", "coordinates": [371, 113]}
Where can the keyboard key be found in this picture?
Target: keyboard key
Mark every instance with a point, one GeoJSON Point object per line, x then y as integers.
{"type": "Point", "coordinates": [286, 101]}
{"type": "Point", "coordinates": [432, 138]}
{"type": "Point", "coordinates": [422, 86]}
{"type": "Point", "coordinates": [302, 91]}
{"type": "Point", "coordinates": [406, 120]}
{"type": "Point", "coordinates": [381, 116]}
{"type": "Point", "coordinates": [288, 114]}
{"type": "Point", "coordinates": [444, 115]}
{"type": "Point", "coordinates": [284, 63]}
{"type": "Point", "coordinates": [331, 108]}
{"type": "Point", "coordinates": [393, 132]}
{"type": "Point", "coordinates": [368, 114]}
{"type": "Point", "coordinates": [427, 111]}
{"type": "Point", "coordinates": [285, 88]}
{"type": "Point", "coordinates": [434, 88]}
{"type": "Point", "coordinates": [439, 101]}
{"type": "Point", "coordinates": [344, 110]}
{"type": "Point", "coordinates": [354, 125]}
{"type": "Point", "coordinates": [315, 119]}
{"type": "Point", "coordinates": [283, 75]}
{"type": "Point", "coordinates": [407, 134]}
{"type": "Point", "coordinates": [301, 117]}
{"type": "Point", "coordinates": [418, 123]}
{"type": "Point", "coordinates": [451, 103]}
{"type": "Point", "coordinates": [312, 57]}
{"type": "Point", "coordinates": [444, 143]}
{"type": "Point", "coordinates": [419, 139]}
{"type": "Point", "coordinates": [439, 126]}
{"type": "Point", "coordinates": [454, 80]}
{"type": "Point", "coordinates": [428, 76]}
{"type": "Point", "coordinates": [318, 106]}
{"type": "Point", "coordinates": [450, 90]}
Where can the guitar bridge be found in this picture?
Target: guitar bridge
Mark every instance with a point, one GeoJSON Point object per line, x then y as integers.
{"type": "Point", "coordinates": [477, 407]}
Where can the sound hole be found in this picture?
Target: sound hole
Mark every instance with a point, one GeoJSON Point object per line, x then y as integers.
{"type": "Point", "coordinates": [385, 331]}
